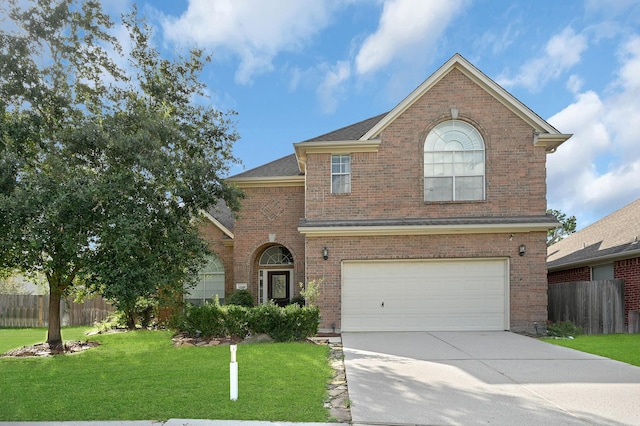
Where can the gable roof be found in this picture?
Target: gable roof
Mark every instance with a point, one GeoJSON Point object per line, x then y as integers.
{"type": "Point", "coordinates": [350, 133]}
{"type": "Point", "coordinates": [222, 217]}
{"type": "Point", "coordinates": [285, 166]}
{"type": "Point", "coordinates": [291, 165]}
{"type": "Point", "coordinates": [611, 238]}
{"type": "Point", "coordinates": [363, 136]}
{"type": "Point", "coordinates": [545, 134]}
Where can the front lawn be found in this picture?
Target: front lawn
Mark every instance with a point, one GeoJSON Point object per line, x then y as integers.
{"type": "Point", "coordinates": [140, 375]}
{"type": "Point", "coordinates": [13, 338]}
{"type": "Point", "coordinates": [621, 347]}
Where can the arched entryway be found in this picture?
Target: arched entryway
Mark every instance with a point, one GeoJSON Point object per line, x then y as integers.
{"type": "Point", "coordinates": [275, 275]}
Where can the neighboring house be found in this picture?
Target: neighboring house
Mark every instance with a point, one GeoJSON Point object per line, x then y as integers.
{"type": "Point", "coordinates": [431, 216]}
{"type": "Point", "coordinates": [604, 250]}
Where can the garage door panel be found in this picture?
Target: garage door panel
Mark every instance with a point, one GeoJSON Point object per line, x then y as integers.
{"type": "Point", "coordinates": [424, 295]}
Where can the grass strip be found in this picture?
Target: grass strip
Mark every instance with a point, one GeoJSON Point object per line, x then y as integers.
{"type": "Point", "coordinates": [621, 347]}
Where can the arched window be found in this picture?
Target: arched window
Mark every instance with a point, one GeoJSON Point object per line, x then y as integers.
{"type": "Point", "coordinates": [276, 255]}
{"type": "Point", "coordinates": [210, 284]}
{"type": "Point", "coordinates": [454, 163]}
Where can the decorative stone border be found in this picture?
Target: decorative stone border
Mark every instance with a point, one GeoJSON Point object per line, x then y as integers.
{"type": "Point", "coordinates": [338, 401]}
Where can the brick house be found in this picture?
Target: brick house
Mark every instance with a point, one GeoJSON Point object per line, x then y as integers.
{"type": "Point", "coordinates": [607, 249]}
{"type": "Point", "coordinates": [431, 216]}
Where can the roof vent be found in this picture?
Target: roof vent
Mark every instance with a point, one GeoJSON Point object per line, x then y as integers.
{"type": "Point", "coordinates": [635, 240]}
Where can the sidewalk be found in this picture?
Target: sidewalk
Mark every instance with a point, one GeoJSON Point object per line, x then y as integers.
{"type": "Point", "coordinates": [170, 422]}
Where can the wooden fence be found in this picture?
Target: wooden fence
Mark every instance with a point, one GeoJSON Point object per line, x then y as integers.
{"type": "Point", "coordinates": [596, 306]}
{"type": "Point", "coordinates": [20, 310]}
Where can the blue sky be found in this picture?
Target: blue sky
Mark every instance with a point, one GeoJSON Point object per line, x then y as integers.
{"type": "Point", "coordinates": [295, 69]}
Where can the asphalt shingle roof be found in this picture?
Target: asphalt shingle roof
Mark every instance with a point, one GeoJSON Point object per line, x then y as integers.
{"type": "Point", "coordinates": [288, 166]}
{"type": "Point", "coordinates": [350, 133]}
{"type": "Point", "coordinates": [285, 166]}
{"type": "Point", "coordinates": [613, 235]}
{"type": "Point", "coordinates": [223, 214]}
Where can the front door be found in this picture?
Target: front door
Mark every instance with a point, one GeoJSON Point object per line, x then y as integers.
{"type": "Point", "coordinates": [278, 287]}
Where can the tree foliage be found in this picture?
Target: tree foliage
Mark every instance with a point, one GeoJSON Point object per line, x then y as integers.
{"type": "Point", "coordinates": [567, 227]}
{"type": "Point", "coordinates": [103, 171]}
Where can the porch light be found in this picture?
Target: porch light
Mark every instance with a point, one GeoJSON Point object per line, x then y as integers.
{"type": "Point", "coordinates": [522, 250]}
{"type": "Point", "coordinates": [325, 253]}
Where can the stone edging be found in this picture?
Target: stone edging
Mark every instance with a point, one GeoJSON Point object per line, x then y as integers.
{"type": "Point", "coordinates": [338, 401]}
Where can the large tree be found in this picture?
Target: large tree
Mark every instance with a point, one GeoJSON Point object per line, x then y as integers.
{"type": "Point", "coordinates": [103, 171]}
{"type": "Point", "coordinates": [567, 227]}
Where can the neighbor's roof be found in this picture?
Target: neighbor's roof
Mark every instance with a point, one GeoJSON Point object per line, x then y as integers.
{"type": "Point", "coordinates": [612, 237]}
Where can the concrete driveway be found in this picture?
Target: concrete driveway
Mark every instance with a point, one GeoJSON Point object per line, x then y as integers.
{"type": "Point", "coordinates": [497, 378]}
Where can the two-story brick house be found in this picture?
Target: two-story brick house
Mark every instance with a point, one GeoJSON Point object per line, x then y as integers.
{"type": "Point", "coordinates": [428, 217]}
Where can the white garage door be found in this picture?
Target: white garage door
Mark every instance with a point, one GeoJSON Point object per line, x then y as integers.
{"type": "Point", "coordinates": [425, 295]}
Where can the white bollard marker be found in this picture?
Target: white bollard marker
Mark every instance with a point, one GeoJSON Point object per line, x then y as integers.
{"type": "Point", "coordinates": [233, 374]}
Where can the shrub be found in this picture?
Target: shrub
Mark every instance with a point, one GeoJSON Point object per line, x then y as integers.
{"type": "Point", "coordinates": [236, 320]}
{"type": "Point", "coordinates": [291, 323]}
{"type": "Point", "coordinates": [240, 298]}
{"type": "Point", "coordinates": [311, 291]}
{"type": "Point", "coordinates": [146, 311]}
{"type": "Point", "coordinates": [298, 300]}
{"type": "Point", "coordinates": [264, 318]}
{"type": "Point", "coordinates": [286, 324]}
{"type": "Point", "coordinates": [563, 329]}
{"type": "Point", "coordinates": [207, 319]}
{"type": "Point", "coordinates": [144, 314]}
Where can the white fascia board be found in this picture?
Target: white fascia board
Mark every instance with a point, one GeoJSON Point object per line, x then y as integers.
{"type": "Point", "coordinates": [217, 223]}
{"type": "Point", "coordinates": [550, 142]}
{"type": "Point", "coordinates": [254, 182]}
{"type": "Point", "coordinates": [333, 147]}
{"type": "Point", "coordinates": [360, 231]}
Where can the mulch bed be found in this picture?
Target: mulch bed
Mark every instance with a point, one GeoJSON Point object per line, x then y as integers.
{"type": "Point", "coordinates": [43, 349]}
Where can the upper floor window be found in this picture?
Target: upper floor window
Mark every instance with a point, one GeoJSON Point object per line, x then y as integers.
{"type": "Point", "coordinates": [454, 163]}
{"type": "Point", "coordinates": [341, 174]}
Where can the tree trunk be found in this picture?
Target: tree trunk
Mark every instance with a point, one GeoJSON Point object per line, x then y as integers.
{"type": "Point", "coordinates": [54, 336]}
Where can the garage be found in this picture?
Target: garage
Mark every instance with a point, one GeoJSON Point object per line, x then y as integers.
{"type": "Point", "coordinates": [425, 295]}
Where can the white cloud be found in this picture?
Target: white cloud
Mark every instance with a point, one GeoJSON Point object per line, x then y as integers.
{"type": "Point", "coordinates": [574, 84]}
{"type": "Point", "coordinates": [598, 169]}
{"type": "Point", "coordinates": [406, 28]}
{"type": "Point", "coordinates": [255, 31]}
{"type": "Point", "coordinates": [332, 86]}
{"type": "Point", "coordinates": [561, 52]}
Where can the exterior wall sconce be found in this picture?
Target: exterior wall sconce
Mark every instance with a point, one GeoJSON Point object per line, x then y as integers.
{"type": "Point", "coordinates": [522, 250]}
{"type": "Point", "coordinates": [325, 253]}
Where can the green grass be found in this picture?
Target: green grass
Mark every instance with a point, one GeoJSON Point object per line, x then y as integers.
{"type": "Point", "coordinates": [621, 347]}
{"type": "Point", "coordinates": [12, 338]}
{"type": "Point", "coordinates": [140, 375]}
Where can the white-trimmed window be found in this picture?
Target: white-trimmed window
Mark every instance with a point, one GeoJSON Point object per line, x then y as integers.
{"type": "Point", "coordinates": [341, 174]}
{"type": "Point", "coordinates": [602, 272]}
{"type": "Point", "coordinates": [454, 163]}
{"type": "Point", "coordinates": [210, 284]}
